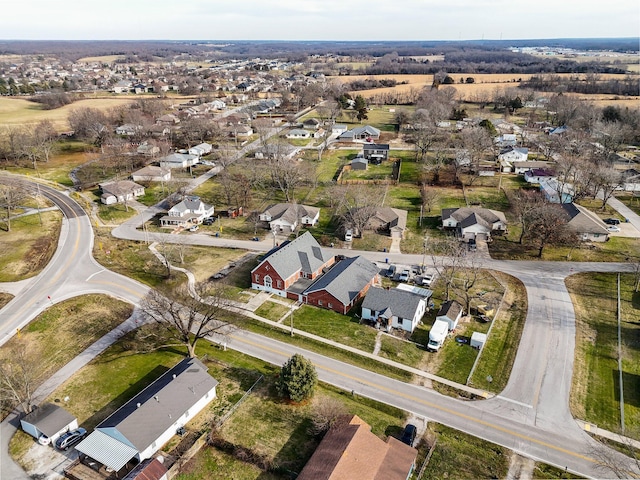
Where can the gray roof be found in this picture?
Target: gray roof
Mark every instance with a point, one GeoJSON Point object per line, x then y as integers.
{"type": "Point", "coordinates": [122, 187]}
{"type": "Point", "coordinates": [402, 304]}
{"type": "Point", "coordinates": [346, 279]}
{"type": "Point", "coordinates": [302, 254]}
{"type": "Point", "coordinates": [149, 414]}
{"type": "Point", "coordinates": [375, 146]}
{"type": "Point", "coordinates": [450, 309]}
{"type": "Point", "coordinates": [49, 419]}
{"type": "Point", "coordinates": [107, 450]}
{"type": "Point", "coordinates": [393, 217]}
{"type": "Point", "coordinates": [467, 216]}
{"type": "Point", "coordinates": [291, 212]}
{"type": "Point", "coordinates": [582, 220]}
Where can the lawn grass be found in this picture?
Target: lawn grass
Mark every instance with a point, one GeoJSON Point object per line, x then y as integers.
{"type": "Point", "coordinates": [116, 214]}
{"type": "Point", "coordinates": [595, 388]}
{"type": "Point", "coordinates": [331, 325]}
{"type": "Point", "coordinates": [543, 471]}
{"type": "Point", "coordinates": [272, 311]}
{"type": "Point", "coordinates": [29, 246]}
{"type": "Point", "coordinates": [461, 456]}
{"type": "Point", "coordinates": [630, 200]}
{"type": "Point", "coordinates": [407, 353]}
{"type": "Point", "coordinates": [500, 350]}
{"type": "Point", "coordinates": [332, 161]}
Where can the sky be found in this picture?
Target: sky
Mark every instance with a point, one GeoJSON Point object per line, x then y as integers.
{"type": "Point", "coordinates": [317, 19]}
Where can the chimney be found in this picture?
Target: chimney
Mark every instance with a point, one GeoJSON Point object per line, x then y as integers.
{"type": "Point", "coordinates": [156, 397]}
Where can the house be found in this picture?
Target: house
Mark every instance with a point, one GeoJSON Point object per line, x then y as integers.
{"type": "Point", "coordinates": [394, 308]}
{"type": "Point", "coordinates": [147, 150]}
{"type": "Point", "coordinates": [375, 153]}
{"type": "Point", "coordinates": [128, 129]}
{"type": "Point", "coordinates": [201, 149]}
{"type": "Point", "coordinates": [349, 450]}
{"type": "Point", "coordinates": [359, 163]}
{"type": "Point", "coordinates": [391, 221]}
{"type": "Point", "coordinates": [630, 180]}
{"type": "Point", "coordinates": [286, 216]}
{"type": "Point", "coordinates": [138, 429]}
{"type": "Point", "coordinates": [298, 133]}
{"type": "Point", "coordinates": [506, 140]}
{"type": "Point", "coordinates": [450, 311]}
{"type": "Point", "coordinates": [311, 123]}
{"type": "Point", "coordinates": [339, 287]}
{"type": "Point", "coordinates": [190, 211]}
{"type": "Point", "coordinates": [276, 150]}
{"type": "Point", "coordinates": [586, 224]}
{"type": "Point", "coordinates": [241, 131]}
{"type": "Point", "coordinates": [122, 86]}
{"type": "Point", "coordinates": [509, 155]}
{"type": "Point", "coordinates": [152, 173]}
{"type": "Point", "coordinates": [473, 223]}
{"type": "Point", "coordinates": [522, 167]}
{"type": "Point", "coordinates": [47, 422]}
{"type": "Point", "coordinates": [286, 264]}
{"type": "Point", "coordinates": [179, 160]}
{"type": "Point", "coordinates": [338, 129]}
{"type": "Point", "coordinates": [364, 133]}
{"type": "Point", "coordinates": [159, 130]}
{"type": "Point", "coordinates": [463, 158]}
{"type": "Point", "coordinates": [168, 119]}
{"type": "Point", "coordinates": [120, 192]}
{"type": "Point", "coordinates": [556, 191]}
{"type": "Point", "coordinates": [538, 175]}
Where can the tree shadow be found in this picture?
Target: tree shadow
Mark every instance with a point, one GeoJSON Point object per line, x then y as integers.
{"type": "Point", "coordinates": [294, 454]}
{"type": "Point", "coordinates": [631, 385]}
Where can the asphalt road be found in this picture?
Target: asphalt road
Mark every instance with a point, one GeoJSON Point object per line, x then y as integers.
{"type": "Point", "coordinates": [531, 416]}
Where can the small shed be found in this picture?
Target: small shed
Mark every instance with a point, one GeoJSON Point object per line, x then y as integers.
{"type": "Point", "coordinates": [47, 422]}
{"type": "Point", "coordinates": [478, 340]}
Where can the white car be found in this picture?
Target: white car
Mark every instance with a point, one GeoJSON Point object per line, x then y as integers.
{"type": "Point", "coordinates": [404, 276]}
{"type": "Point", "coordinates": [427, 279]}
{"type": "Point", "coordinates": [613, 228]}
{"type": "Point", "coordinates": [348, 236]}
{"type": "Point", "coordinates": [194, 228]}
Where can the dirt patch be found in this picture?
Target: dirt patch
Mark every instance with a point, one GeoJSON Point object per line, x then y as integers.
{"type": "Point", "coordinates": [46, 463]}
{"type": "Point", "coordinates": [520, 468]}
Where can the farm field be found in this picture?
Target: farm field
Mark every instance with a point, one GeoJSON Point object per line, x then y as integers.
{"type": "Point", "coordinates": [18, 111]}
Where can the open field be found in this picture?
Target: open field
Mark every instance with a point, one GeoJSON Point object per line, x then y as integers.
{"type": "Point", "coordinates": [101, 59]}
{"type": "Point", "coordinates": [595, 389]}
{"type": "Point", "coordinates": [29, 246]}
{"type": "Point", "coordinates": [18, 111]}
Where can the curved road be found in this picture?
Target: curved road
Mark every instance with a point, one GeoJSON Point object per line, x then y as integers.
{"type": "Point", "coordinates": [531, 416]}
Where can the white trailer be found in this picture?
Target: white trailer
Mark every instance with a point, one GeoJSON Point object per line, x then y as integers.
{"type": "Point", "coordinates": [437, 335]}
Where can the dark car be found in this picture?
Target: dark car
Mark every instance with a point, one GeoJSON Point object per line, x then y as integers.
{"type": "Point", "coordinates": [409, 434]}
{"type": "Point", "coordinates": [69, 439]}
{"type": "Point", "coordinates": [612, 221]}
{"type": "Point", "coordinates": [208, 221]}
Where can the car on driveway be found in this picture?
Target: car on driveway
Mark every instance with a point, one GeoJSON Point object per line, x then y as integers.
{"type": "Point", "coordinates": [194, 228]}
{"type": "Point", "coordinates": [404, 275]}
{"type": "Point", "coordinates": [612, 221]}
{"type": "Point", "coordinates": [427, 279]}
{"type": "Point", "coordinates": [69, 439]}
{"type": "Point", "coordinates": [409, 434]}
{"type": "Point", "coordinates": [209, 221]}
{"type": "Point", "coordinates": [613, 228]}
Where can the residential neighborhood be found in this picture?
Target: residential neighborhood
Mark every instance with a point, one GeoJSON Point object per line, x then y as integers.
{"type": "Point", "coordinates": [255, 264]}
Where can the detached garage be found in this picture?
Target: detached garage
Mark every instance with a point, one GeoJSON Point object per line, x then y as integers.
{"type": "Point", "coordinates": [47, 422]}
{"type": "Point", "coordinates": [478, 340]}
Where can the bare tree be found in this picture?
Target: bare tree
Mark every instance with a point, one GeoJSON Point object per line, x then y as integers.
{"type": "Point", "coordinates": [448, 258]}
{"type": "Point", "coordinates": [625, 465]}
{"type": "Point", "coordinates": [21, 373]}
{"type": "Point", "coordinates": [428, 196]}
{"type": "Point", "coordinates": [11, 195]}
{"type": "Point", "coordinates": [91, 125]}
{"type": "Point", "coordinates": [549, 227]}
{"type": "Point", "coordinates": [325, 413]}
{"type": "Point", "coordinates": [476, 142]}
{"type": "Point", "coordinates": [189, 315]}
{"type": "Point", "coordinates": [358, 204]}
{"type": "Point", "coordinates": [525, 204]}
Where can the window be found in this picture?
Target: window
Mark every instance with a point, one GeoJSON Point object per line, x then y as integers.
{"type": "Point", "coordinates": [330, 305]}
{"type": "Point", "coordinates": [279, 283]}
{"type": "Point", "coordinates": [267, 281]}
{"type": "Point", "coordinates": [257, 278]}
{"type": "Point", "coordinates": [320, 302]}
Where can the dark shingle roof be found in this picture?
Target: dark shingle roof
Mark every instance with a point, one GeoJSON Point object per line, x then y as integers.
{"type": "Point", "coordinates": [346, 279]}
{"type": "Point", "coordinates": [401, 303]}
{"type": "Point", "coordinates": [304, 253]}
{"type": "Point", "coordinates": [49, 418]}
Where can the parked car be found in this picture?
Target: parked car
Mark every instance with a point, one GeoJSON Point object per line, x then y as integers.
{"type": "Point", "coordinates": [612, 221]}
{"type": "Point", "coordinates": [194, 228]}
{"type": "Point", "coordinates": [404, 275]}
{"type": "Point", "coordinates": [427, 279]}
{"type": "Point", "coordinates": [209, 221]}
{"type": "Point", "coordinates": [348, 236]}
{"type": "Point", "coordinates": [391, 271]}
{"type": "Point", "coordinates": [409, 434]}
{"type": "Point", "coordinates": [69, 439]}
{"type": "Point", "coordinates": [613, 228]}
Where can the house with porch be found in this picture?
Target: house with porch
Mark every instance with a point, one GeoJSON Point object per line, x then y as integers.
{"type": "Point", "coordinates": [375, 153]}
{"type": "Point", "coordinates": [285, 217]}
{"type": "Point", "coordinates": [190, 211]}
{"type": "Point", "coordinates": [473, 223]}
{"type": "Point", "coordinates": [586, 224]}
{"type": "Point", "coordinates": [139, 428]}
{"type": "Point", "coordinates": [394, 308]}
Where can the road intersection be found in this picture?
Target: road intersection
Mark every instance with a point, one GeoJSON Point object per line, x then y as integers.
{"type": "Point", "coordinates": [531, 416]}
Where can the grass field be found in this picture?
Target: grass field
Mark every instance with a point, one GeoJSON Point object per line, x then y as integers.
{"type": "Point", "coordinates": [18, 111]}
{"type": "Point", "coordinates": [595, 387]}
{"type": "Point", "coordinates": [29, 246]}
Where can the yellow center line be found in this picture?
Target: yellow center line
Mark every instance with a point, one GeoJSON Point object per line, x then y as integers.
{"type": "Point", "coordinates": [433, 405]}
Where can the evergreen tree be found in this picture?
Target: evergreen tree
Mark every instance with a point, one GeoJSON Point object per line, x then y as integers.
{"type": "Point", "coordinates": [298, 379]}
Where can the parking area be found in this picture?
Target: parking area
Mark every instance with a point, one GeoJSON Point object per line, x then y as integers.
{"type": "Point", "coordinates": [416, 274]}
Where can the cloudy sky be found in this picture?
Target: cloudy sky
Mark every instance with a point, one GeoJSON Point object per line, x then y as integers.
{"type": "Point", "coordinates": [318, 19]}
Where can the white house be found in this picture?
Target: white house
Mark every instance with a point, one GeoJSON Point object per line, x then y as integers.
{"type": "Point", "coordinates": [201, 149]}
{"type": "Point", "coordinates": [523, 167]}
{"type": "Point", "coordinates": [147, 149]}
{"type": "Point", "coordinates": [538, 175]}
{"type": "Point", "coordinates": [473, 223]}
{"type": "Point", "coordinates": [47, 422]}
{"type": "Point", "coordinates": [120, 192]}
{"type": "Point", "coordinates": [141, 427]}
{"type": "Point", "coordinates": [286, 216]}
{"type": "Point", "coordinates": [152, 173]}
{"type": "Point", "coordinates": [338, 129]}
{"type": "Point", "coordinates": [450, 311]}
{"type": "Point", "coordinates": [179, 160]}
{"type": "Point", "coordinates": [506, 140]}
{"type": "Point", "coordinates": [586, 224]}
{"type": "Point", "coordinates": [190, 211]}
{"type": "Point", "coordinates": [556, 191]}
{"type": "Point", "coordinates": [298, 133]}
{"type": "Point", "coordinates": [128, 129]}
{"type": "Point", "coordinates": [394, 308]}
